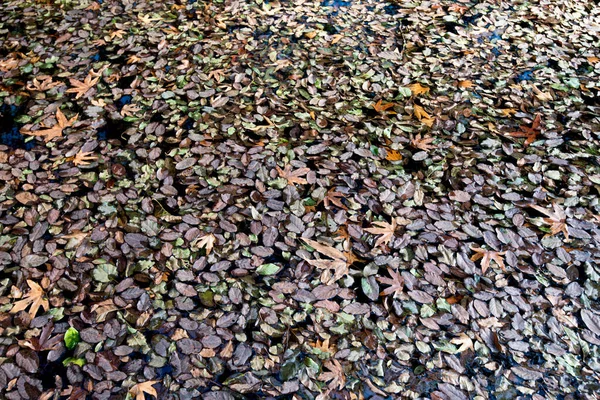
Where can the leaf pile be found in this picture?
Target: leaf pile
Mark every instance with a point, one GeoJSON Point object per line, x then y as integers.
{"type": "Point", "coordinates": [299, 199]}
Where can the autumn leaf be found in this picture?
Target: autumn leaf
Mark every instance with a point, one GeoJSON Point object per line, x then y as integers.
{"type": "Point", "coordinates": [335, 376]}
{"type": "Point", "coordinates": [8, 64]}
{"type": "Point", "coordinates": [593, 60]}
{"type": "Point", "coordinates": [422, 143]}
{"type": "Point", "coordinates": [507, 112]}
{"type": "Point", "coordinates": [556, 219]}
{"type": "Point", "coordinates": [34, 299]}
{"type": "Point", "coordinates": [339, 263]}
{"type": "Point", "coordinates": [386, 230]}
{"type": "Point", "coordinates": [54, 131]}
{"type": "Point", "coordinates": [530, 133]}
{"type": "Point", "coordinates": [333, 197]}
{"type": "Point", "coordinates": [141, 389]}
{"type": "Point", "coordinates": [293, 177]}
{"type": "Point", "coordinates": [336, 38]}
{"type": "Point", "coordinates": [207, 241]}
{"type": "Point", "coordinates": [422, 115]}
{"type": "Point", "coordinates": [416, 89]}
{"type": "Point", "coordinates": [487, 256]}
{"type": "Point", "coordinates": [464, 341]}
{"type": "Point", "coordinates": [324, 346]}
{"type": "Point", "coordinates": [42, 84]}
{"type": "Point", "coordinates": [465, 84]}
{"type": "Point", "coordinates": [217, 74]}
{"type": "Point", "coordinates": [381, 107]}
{"type": "Point", "coordinates": [83, 158]}
{"type": "Point", "coordinates": [393, 155]}
{"type": "Point", "coordinates": [395, 283]}
{"type": "Point", "coordinates": [81, 88]}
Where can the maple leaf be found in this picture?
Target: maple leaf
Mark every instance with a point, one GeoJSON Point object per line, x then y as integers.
{"type": "Point", "coordinates": [487, 256]}
{"type": "Point", "coordinates": [556, 220]}
{"type": "Point", "coordinates": [416, 89]}
{"type": "Point", "coordinates": [83, 158]}
{"type": "Point", "coordinates": [54, 131]}
{"type": "Point", "coordinates": [393, 155]}
{"type": "Point", "coordinates": [140, 389]}
{"type": "Point", "coordinates": [81, 88]}
{"type": "Point", "coordinates": [217, 74]}
{"type": "Point", "coordinates": [324, 346]}
{"type": "Point", "coordinates": [34, 299]}
{"type": "Point", "coordinates": [396, 283]}
{"type": "Point", "coordinates": [386, 230]}
{"type": "Point", "coordinates": [117, 34]}
{"type": "Point", "coordinates": [335, 376]}
{"type": "Point", "coordinates": [465, 84]}
{"type": "Point", "coordinates": [465, 342]}
{"type": "Point", "coordinates": [339, 263]}
{"type": "Point", "coordinates": [422, 116]}
{"type": "Point", "coordinates": [381, 107]}
{"type": "Point", "coordinates": [8, 64]}
{"type": "Point", "coordinates": [293, 176]}
{"type": "Point", "coordinates": [129, 109]}
{"type": "Point", "coordinates": [44, 342]}
{"type": "Point", "coordinates": [422, 143]}
{"type": "Point", "coordinates": [45, 83]}
{"type": "Point", "coordinates": [530, 133]}
{"type": "Point", "coordinates": [333, 197]}
{"type": "Point", "coordinates": [208, 242]}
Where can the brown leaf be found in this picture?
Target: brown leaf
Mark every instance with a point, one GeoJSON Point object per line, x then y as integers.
{"type": "Point", "coordinates": [54, 131]}
{"type": "Point", "coordinates": [335, 376]}
{"type": "Point", "coordinates": [464, 341]}
{"type": "Point", "coordinates": [416, 89]}
{"type": "Point", "coordinates": [396, 283]}
{"type": "Point", "coordinates": [139, 390]}
{"type": "Point", "coordinates": [293, 177]}
{"type": "Point", "coordinates": [34, 299]}
{"type": "Point", "coordinates": [556, 219]}
{"type": "Point", "coordinates": [487, 256]}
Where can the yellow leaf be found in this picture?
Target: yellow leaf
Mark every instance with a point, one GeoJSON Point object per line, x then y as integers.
{"type": "Point", "coordinates": [420, 112]}
{"type": "Point", "coordinates": [507, 112]}
{"type": "Point", "coordinates": [311, 34]}
{"type": "Point", "coordinates": [336, 38]}
{"type": "Point", "coordinates": [416, 89]}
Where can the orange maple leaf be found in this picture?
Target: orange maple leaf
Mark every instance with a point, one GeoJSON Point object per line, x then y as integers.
{"type": "Point", "coordinates": [83, 158]}
{"type": "Point", "coordinates": [81, 88]}
{"type": "Point", "coordinates": [422, 116]}
{"type": "Point", "coordinates": [393, 155]}
{"type": "Point", "coordinates": [381, 107]}
{"type": "Point", "coordinates": [54, 131]}
{"type": "Point", "coordinates": [416, 89]}
{"type": "Point", "coordinates": [530, 133]}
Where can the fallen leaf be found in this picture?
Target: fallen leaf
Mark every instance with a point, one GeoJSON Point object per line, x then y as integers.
{"type": "Point", "coordinates": [556, 219]}
{"type": "Point", "coordinates": [335, 376]}
{"type": "Point", "coordinates": [396, 283]}
{"type": "Point", "coordinates": [141, 389]}
{"type": "Point", "coordinates": [530, 133]}
{"type": "Point", "coordinates": [81, 88]}
{"type": "Point", "coordinates": [83, 158]}
{"type": "Point", "coordinates": [393, 155]}
{"type": "Point", "coordinates": [339, 263]}
{"type": "Point", "coordinates": [381, 107]}
{"type": "Point", "coordinates": [422, 115]}
{"type": "Point", "coordinates": [422, 143]}
{"type": "Point", "coordinates": [416, 89]}
{"type": "Point", "coordinates": [385, 229]}
{"type": "Point", "coordinates": [54, 131]}
{"type": "Point", "coordinates": [207, 241]}
{"type": "Point", "coordinates": [465, 84]}
{"type": "Point", "coordinates": [465, 342]}
{"type": "Point", "coordinates": [34, 299]}
{"type": "Point", "coordinates": [487, 256]}
{"type": "Point", "coordinates": [293, 177]}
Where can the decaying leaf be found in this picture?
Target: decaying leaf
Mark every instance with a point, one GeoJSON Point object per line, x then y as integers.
{"type": "Point", "coordinates": [557, 219]}
{"type": "Point", "coordinates": [530, 133]}
{"type": "Point", "coordinates": [422, 142]}
{"type": "Point", "coordinates": [464, 341]}
{"type": "Point", "coordinates": [339, 263]}
{"type": "Point", "coordinates": [335, 376]}
{"type": "Point", "coordinates": [422, 116]}
{"type": "Point", "coordinates": [207, 242]}
{"type": "Point", "coordinates": [416, 89]}
{"type": "Point", "coordinates": [395, 283]}
{"type": "Point", "coordinates": [81, 88]}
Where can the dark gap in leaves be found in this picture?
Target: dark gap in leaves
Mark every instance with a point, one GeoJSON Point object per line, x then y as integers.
{"type": "Point", "coordinates": [9, 128]}
{"type": "Point", "coordinates": [335, 3]}
{"type": "Point", "coordinates": [391, 9]}
{"type": "Point", "coordinates": [126, 81]}
{"type": "Point", "coordinates": [123, 101]}
{"type": "Point", "coordinates": [471, 19]}
{"type": "Point", "coordinates": [451, 27]}
{"type": "Point", "coordinates": [525, 76]}
{"type": "Point", "coordinates": [49, 370]}
{"type": "Point", "coordinates": [112, 130]}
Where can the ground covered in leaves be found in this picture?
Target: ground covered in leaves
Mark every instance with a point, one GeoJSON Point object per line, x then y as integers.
{"type": "Point", "coordinates": [299, 199]}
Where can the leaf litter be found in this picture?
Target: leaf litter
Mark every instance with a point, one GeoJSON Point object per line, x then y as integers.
{"type": "Point", "coordinates": [299, 199]}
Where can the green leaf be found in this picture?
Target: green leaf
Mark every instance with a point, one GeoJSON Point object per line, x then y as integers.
{"type": "Point", "coordinates": [71, 338]}
{"type": "Point", "coordinates": [104, 272]}
{"type": "Point", "coordinates": [268, 269]}
{"type": "Point", "coordinates": [72, 360]}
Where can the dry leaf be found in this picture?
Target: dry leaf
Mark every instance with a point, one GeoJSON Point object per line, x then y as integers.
{"type": "Point", "coordinates": [556, 220]}
{"type": "Point", "coordinates": [416, 89]}
{"type": "Point", "coordinates": [34, 299]}
{"type": "Point", "coordinates": [339, 263]}
{"type": "Point", "coordinates": [386, 230]}
{"type": "Point", "coordinates": [422, 143]}
{"type": "Point", "coordinates": [393, 155]}
{"type": "Point", "coordinates": [333, 197]}
{"type": "Point", "coordinates": [293, 177]}
{"type": "Point", "coordinates": [335, 376]}
{"type": "Point", "coordinates": [141, 389]}
{"type": "Point", "coordinates": [81, 88]}
{"type": "Point", "coordinates": [396, 283]}
{"type": "Point", "coordinates": [83, 158]}
{"type": "Point", "coordinates": [381, 107]}
{"type": "Point", "coordinates": [207, 241]}
{"type": "Point", "coordinates": [422, 115]}
{"type": "Point", "coordinates": [465, 84]}
{"type": "Point", "coordinates": [487, 256]}
{"type": "Point", "coordinates": [464, 341]}
{"type": "Point", "coordinates": [530, 133]}
{"type": "Point", "coordinates": [56, 130]}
